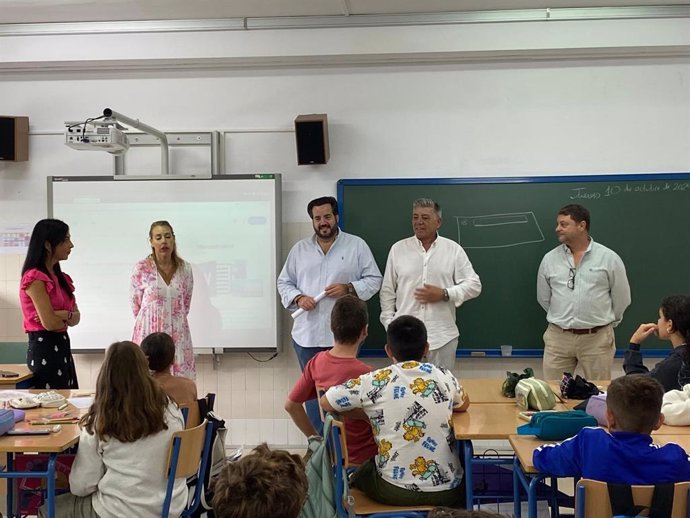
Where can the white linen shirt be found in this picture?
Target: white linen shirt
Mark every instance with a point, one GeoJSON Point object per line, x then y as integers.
{"type": "Point", "coordinates": [409, 267]}
{"type": "Point", "coordinates": [600, 294]}
{"type": "Point", "coordinates": [128, 479]}
{"type": "Point", "coordinates": [307, 271]}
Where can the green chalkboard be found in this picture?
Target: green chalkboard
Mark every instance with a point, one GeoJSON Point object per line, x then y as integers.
{"type": "Point", "coordinates": [506, 225]}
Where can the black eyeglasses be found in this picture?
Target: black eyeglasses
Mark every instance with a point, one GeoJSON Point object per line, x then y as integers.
{"type": "Point", "coordinates": [571, 278]}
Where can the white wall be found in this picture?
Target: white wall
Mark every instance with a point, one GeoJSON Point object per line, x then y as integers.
{"type": "Point", "coordinates": [451, 119]}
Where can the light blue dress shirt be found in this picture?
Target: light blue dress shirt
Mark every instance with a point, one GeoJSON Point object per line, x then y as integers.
{"type": "Point", "coordinates": [307, 271]}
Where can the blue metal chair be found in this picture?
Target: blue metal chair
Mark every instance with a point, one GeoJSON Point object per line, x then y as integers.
{"type": "Point", "coordinates": [351, 499]}
{"type": "Point", "coordinates": [189, 454]}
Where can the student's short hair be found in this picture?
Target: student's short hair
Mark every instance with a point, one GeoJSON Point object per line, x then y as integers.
{"type": "Point", "coordinates": [447, 512]}
{"type": "Point", "coordinates": [577, 212]}
{"type": "Point", "coordinates": [324, 200]}
{"type": "Point", "coordinates": [159, 349]}
{"type": "Point", "coordinates": [407, 338]}
{"type": "Point", "coordinates": [635, 401]}
{"type": "Point", "coordinates": [349, 317]}
{"type": "Point", "coordinates": [264, 484]}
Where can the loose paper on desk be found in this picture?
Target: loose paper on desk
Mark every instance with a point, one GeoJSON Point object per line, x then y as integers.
{"type": "Point", "coordinates": [300, 311]}
{"type": "Point", "coordinates": [81, 402]}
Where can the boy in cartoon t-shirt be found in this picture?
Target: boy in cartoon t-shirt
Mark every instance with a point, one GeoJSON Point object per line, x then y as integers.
{"type": "Point", "coordinates": [409, 405]}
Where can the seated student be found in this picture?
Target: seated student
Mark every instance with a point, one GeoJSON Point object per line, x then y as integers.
{"type": "Point", "coordinates": [674, 325]}
{"type": "Point", "coordinates": [349, 319]}
{"type": "Point", "coordinates": [159, 349]}
{"type": "Point", "coordinates": [625, 454]}
{"type": "Point", "coordinates": [123, 450]}
{"type": "Point", "coordinates": [264, 484]}
{"type": "Point", "coordinates": [676, 407]}
{"type": "Point", "coordinates": [409, 405]}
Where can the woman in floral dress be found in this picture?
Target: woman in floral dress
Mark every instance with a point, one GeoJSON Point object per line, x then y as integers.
{"type": "Point", "coordinates": [161, 294]}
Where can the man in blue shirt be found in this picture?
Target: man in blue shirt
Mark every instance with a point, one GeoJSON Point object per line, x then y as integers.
{"type": "Point", "coordinates": [319, 270]}
{"type": "Point", "coordinates": [625, 454]}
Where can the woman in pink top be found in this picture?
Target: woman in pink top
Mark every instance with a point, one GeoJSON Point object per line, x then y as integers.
{"type": "Point", "coordinates": [48, 306]}
{"type": "Point", "coordinates": [161, 293]}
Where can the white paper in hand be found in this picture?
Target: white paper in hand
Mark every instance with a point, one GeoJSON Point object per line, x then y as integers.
{"type": "Point", "coordinates": [300, 311]}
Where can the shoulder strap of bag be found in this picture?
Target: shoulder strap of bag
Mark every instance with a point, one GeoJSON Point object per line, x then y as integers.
{"type": "Point", "coordinates": [622, 503]}
{"type": "Point", "coordinates": [621, 498]}
{"type": "Point", "coordinates": [662, 501]}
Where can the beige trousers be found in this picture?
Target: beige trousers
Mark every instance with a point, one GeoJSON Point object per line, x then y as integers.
{"type": "Point", "coordinates": [590, 355]}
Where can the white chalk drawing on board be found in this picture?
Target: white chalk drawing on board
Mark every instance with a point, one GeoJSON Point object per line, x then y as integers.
{"type": "Point", "coordinates": [498, 230]}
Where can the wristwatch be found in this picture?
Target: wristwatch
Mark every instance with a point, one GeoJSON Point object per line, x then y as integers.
{"type": "Point", "coordinates": [446, 297]}
{"type": "Point", "coordinates": [351, 289]}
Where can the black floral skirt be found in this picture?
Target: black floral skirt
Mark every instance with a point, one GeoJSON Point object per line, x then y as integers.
{"type": "Point", "coordinates": [49, 357]}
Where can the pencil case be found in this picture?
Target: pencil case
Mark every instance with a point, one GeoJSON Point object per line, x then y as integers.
{"type": "Point", "coordinates": [556, 426]}
{"type": "Point", "coordinates": [6, 420]}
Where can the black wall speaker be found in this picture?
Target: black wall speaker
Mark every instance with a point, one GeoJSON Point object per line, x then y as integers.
{"type": "Point", "coordinates": [311, 132]}
{"type": "Point", "coordinates": [14, 138]}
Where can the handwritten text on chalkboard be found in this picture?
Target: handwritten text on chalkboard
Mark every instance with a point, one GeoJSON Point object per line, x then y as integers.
{"type": "Point", "coordinates": [605, 191]}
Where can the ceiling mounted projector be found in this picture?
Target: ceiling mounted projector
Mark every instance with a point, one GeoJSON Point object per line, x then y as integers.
{"type": "Point", "coordinates": [110, 139]}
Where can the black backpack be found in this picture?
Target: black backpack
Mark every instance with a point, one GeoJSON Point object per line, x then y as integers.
{"type": "Point", "coordinates": [217, 458]}
{"type": "Point", "coordinates": [623, 505]}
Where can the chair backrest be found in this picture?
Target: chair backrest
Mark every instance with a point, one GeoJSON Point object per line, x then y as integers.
{"type": "Point", "coordinates": [191, 413]}
{"type": "Point", "coordinates": [592, 499]}
{"type": "Point", "coordinates": [320, 391]}
{"type": "Point", "coordinates": [188, 457]}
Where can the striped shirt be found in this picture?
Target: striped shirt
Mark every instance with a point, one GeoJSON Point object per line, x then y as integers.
{"type": "Point", "coordinates": [597, 295]}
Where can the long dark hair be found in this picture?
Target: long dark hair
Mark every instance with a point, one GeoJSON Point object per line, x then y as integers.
{"type": "Point", "coordinates": [51, 231]}
{"type": "Point", "coordinates": [677, 309]}
{"type": "Point", "coordinates": [129, 404]}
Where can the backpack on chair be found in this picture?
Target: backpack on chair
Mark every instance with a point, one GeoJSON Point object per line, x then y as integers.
{"type": "Point", "coordinates": [321, 499]}
{"type": "Point", "coordinates": [218, 458]}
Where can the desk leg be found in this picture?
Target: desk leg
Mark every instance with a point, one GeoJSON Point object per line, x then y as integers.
{"type": "Point", "coordinates": [517, 503]}
{"type": "Point", "coordinates": [51, 485]}
{"type": "Point", "coordinates": [532, 495]}
{"type": "Point", "coordinates": [469, 455]}
{"type": "Point", "coordinates": [10, 486]}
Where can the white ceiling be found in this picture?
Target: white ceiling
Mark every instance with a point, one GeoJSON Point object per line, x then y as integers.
{"type": "Point", "coordinates": [40, 11]}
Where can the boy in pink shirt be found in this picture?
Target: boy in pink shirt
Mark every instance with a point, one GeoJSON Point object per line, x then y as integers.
{"type": "Point", "coordinates": [349, 321]}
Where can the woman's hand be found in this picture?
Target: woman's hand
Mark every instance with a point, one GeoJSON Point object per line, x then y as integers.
{"type": "Point", "coordinates": [642, 333]}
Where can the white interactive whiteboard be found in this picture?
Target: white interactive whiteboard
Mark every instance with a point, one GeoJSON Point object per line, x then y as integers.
{"type": "Point", "coordinates": [227, 227]}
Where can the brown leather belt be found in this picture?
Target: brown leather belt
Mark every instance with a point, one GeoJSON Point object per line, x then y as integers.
{"type": "Point", "coordinates": [589, 331]}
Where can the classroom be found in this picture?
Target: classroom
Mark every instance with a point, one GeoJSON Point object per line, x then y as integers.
{"type": "Point", "coordinates": [455, 92]}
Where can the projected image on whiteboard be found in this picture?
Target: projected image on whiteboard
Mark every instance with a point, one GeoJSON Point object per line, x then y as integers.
{"type": "Point", "coordinates": [498, 230]}
{"type": "Point", "coordinates": [227, 233]}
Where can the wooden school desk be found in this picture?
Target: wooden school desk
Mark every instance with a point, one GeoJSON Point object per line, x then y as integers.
{"type": "Point", "coordinates": [488, 390]}
{"type": "Point", "coordinates": [484, 390]}
{"type": "Point", "coordinates": [526, 475]}
{"type": "Point", "coordinates": [23, 381]}
{"type": "Point", "coordinates": [491, 416]}
{"type": "Point", "coordinates": [52, 444]}
{"type": "Point", "coordinates": [485, 421]}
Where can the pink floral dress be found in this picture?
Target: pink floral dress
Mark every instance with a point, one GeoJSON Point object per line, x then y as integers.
{"type": "Point", "coordinates": [161, 307]}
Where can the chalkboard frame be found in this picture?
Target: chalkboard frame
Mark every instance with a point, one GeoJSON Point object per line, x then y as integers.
{"type": "Point", "coordinates": [344, 183]}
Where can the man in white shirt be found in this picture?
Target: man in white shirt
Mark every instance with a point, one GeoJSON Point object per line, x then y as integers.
{"type": "Point", "coordinates": [583, 287]}
{"type": "Point", "coordinates": [331, 262]}
{"type": "Point", "coordinates": [429, 276]}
